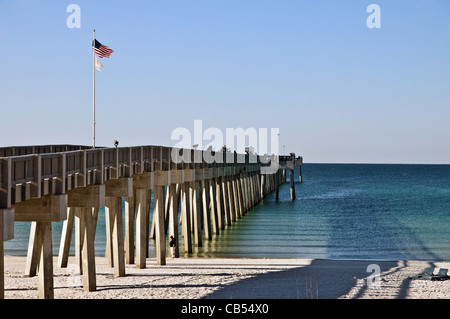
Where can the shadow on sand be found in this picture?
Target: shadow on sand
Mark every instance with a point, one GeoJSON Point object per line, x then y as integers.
{"type": "Point", "coordinates": [322, 279]}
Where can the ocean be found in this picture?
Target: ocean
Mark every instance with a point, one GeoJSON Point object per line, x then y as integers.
{"type": "Point", "coordinates": [341, 211]}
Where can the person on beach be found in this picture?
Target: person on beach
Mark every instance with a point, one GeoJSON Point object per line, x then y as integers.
{"type": "Point", "coordinates": [172, 245]}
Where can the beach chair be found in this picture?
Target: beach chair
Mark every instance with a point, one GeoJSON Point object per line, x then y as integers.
{"type": "Point", "coordinates": [442, 272]}
{"type": "Point", "coordinates": [442, 275]}
{"type": "Point", "coordinates": [428, 274]}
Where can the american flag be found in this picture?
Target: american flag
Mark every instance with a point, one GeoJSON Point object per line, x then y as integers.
{"type": "Point", "coordinates": [101, 50]}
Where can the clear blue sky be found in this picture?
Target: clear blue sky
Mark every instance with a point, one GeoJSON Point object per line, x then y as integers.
{"type": "Point", "coordinates": [337, 90]}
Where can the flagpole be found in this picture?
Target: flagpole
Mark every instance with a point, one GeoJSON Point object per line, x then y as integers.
{"type": "Point", "coordinates": [93, 88]}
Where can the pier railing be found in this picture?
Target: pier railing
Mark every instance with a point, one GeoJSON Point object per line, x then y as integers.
{"type": "Point", "coordinates": [49, 173]}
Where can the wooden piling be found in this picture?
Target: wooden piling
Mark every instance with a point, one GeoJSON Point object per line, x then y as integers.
{"type": "Point", "coordinates": [88, 250]}
{"type": "Point", "coordinates": [45, 276]}
{"type": "Point", "coordinates": [34, 247]}
{"type": "Point", "coordinates": [230, 199]}
{"type": "Point", "coordinates": [130, 215]}
{"type": "Point", "coordinates": [115, 242]}
{"type": "Point", "coordinates": [141, 240]}
{"type": "Point", "coordinates": [206, 208]}
{"type": "Point", "coordinates": [109, 224]}
{"type": "Point", "coordinates": [237, 208]}
{"type": "Point", "coordinates": [185, 217]}
{"type": "Point", "coordinates": [242, 210]}
{"type": "Point", "coordinates": [220, 203]}
{"type": "Point", "coordinates": [149, 232]}
{"type": "Point", "coordinates": [6, 233]}
{"type": "Point", "coordinates": [197, 211]}
{"type": "Point", "coordinates": [66, 236]}
{"type": "Point", "coordinates": [160, 225]}
{"type": "Point", "coordinates": [213, 206]}
{"type": "Point", "coordinates": [2, 259]}
{"type": "Point", "coordinates": [292, 184]}
{"type": "Point", "coordinates": [173, 201]}
{"type": "Point", "coordinates": [225, 201]}
{"type": "Point", "coordinates": [276, 186]}
{"type": "Point", "coordinates": [300, 177]}
{"type": "Point", "coordinates": [192, 201]}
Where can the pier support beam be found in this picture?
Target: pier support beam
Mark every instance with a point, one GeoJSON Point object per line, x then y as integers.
{"type": "Point", "coordinates": [213, 206]}
{"type": "Point", "coordinates": [6, 233]}
{"type": "Point", "coordinates": [231, 198]}
{"type": "Point", "coordinates": [115, 189]}
{"type": "Point", "coordinates": [142, 200]}
{"type": "Point", "coordinates": [292, 184]}
{"type": "Point", "coordinates": [290, 166]}
{"type": "Point", "coordinates": [206, 208]}
{"type": "Point", "coordinates": [45, 277]}
{"type": "Point", "coordinates": [130, 217]}
{"type": "Point", "coordinates": [7, 224]}
{"type": "Point", "coordinates": [162, 179]}
{"type": "Point", "coordinates": [237, 209]}
{"type": "Point", "coordinates": [174, 196]}
{"type": "Point", "coordinates": [277, 184]}
{"type": "Point", "coordinates": [160, 225]}
{"type": "Point", "coordinates": [83, 202]}
{"type": "Point", "coordinates": [196, 210]}
{"type": "Point", "coordinates": [142, 183]}
{"type": "Point", "coordinates": [185, 217]}
{"type": "Point", "coordinates": [300, 177]}
{"type": "Point", "coordinates": [299, 163]}
{"type": "Point", "coordinates": [41, 212]}
{"type": "Point", "coordinates": [219, 203]}
{"type": "Point", "coordinates": [114, 231]}
{"type": "Point", "coordinates": [263, 184]}
{"type": "Point", "coordinates": [66, 237]}
{"type": "Point", "coordinates": [87, 249]}
{"type": "Point", "coordinates": [240, 193]}
{"type": "Point", "coordinates": [226, 203]}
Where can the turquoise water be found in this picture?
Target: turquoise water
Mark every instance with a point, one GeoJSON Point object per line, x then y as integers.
{"type": "Point", "coordinates": [342, 211]}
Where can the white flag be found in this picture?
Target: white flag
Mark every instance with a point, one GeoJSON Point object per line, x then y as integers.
{"type": "Point", "coordinates": [98, 65]}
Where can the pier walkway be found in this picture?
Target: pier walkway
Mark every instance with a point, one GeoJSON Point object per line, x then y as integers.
{"type": "Point", "coordinates": [199, 191]}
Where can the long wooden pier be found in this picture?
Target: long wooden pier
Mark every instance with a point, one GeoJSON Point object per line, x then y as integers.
{"type": "Point", "coordinates": [69, 183]}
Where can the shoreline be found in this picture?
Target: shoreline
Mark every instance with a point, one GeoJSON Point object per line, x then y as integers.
{"type": "Point", "coordinates": [238, 278]}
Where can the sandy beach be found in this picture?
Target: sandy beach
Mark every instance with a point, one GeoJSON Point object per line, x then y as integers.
{"type": "Point", "coordinates": [203, 278]}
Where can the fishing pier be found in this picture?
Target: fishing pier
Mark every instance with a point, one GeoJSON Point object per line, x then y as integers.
{"type": "Point", "coordinates": [196, 194]}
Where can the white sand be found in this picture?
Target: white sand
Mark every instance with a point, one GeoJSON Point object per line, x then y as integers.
{"type": "Point", "coordinates": [194, 278]}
